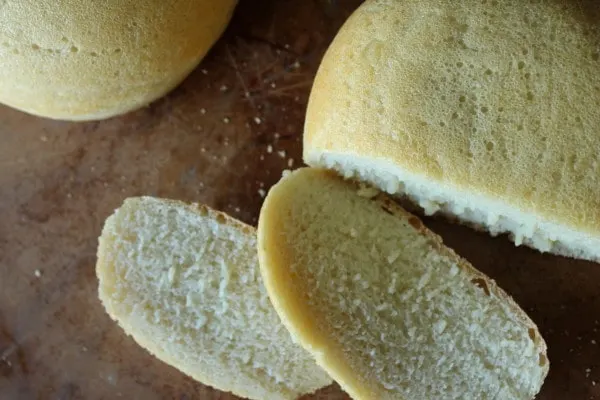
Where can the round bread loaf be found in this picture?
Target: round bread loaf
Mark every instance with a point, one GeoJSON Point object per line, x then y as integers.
{"type": "Point", "coordinates": [86, 60]}
{"type": "Point", "coordinates": [488, 111]}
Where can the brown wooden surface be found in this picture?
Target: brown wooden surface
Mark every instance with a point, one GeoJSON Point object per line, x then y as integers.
{"type": "Point", "coordinates": [208, 141]}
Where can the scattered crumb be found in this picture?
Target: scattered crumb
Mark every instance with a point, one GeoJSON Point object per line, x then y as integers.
{"type": "Point", "coordinates": [262, 192]}
{"type": "Point", "coordinates": [69, 195]}
{"type": "Point", "coordinates": [281, 153]}
{"type": "Point", "coordinates": [203, 150]}
{"type": "Point", "coordinates": [237, 209]}
{"type": "Point", "coordinates": [203, 111]}
{"type": "Point", "coordinates": [37, 273]}
{"type": "Point", "coordinates": [353, 232]}
{"type": "Point", "coordinates": [296, 64]}
{"type": "Point", "coordinates": [273, 85]}
{"type": "Point", "coordinates": [290, 162]}
{"type": "Point", "coordinates": [226, 120]}
{"type": "Point", "coordinates": [593, 341]}
{"type": "Point", "coordinates": [44, 138]}
{"type": "Point", "coordinates": [257, 120]}
{"type": "Point", "coordinates": [204, 71]}
{"type": "Point", "coordinates": [286, 46]}
{"type": "Point", "coordinates": [261, 184]}
{"type": "Point", "coordinates": [276, 135]}
{"type": "Point", "coordinates": [223, 88]}
{"type": "Point", "coordinates": [247, 94]}
{"type": "Point", "coordinates": [262, 157]}
{"type": "Point", "coordinates": [593, 383]}
{"type": "Point", "coordinates": [285, 173]}
{"type": "Point", "coordinates": [269, 149]}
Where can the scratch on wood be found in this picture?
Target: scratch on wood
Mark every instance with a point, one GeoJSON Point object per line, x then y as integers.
{"type": "Point", "coordinates": [239, 76]}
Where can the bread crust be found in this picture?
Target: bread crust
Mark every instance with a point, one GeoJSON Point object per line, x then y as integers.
{"type": "Point", "coordinates": [473, 95]}
{"type": "Point", "coordinates": [81, 60]}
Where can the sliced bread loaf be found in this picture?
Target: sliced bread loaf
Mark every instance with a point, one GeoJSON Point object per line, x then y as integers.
{"type": "Point", "coordinates": [383, 305]}
{"type": "Point", "coordinates": [485, 111]}
{"type": "Point", "coordinates": [184, 282]}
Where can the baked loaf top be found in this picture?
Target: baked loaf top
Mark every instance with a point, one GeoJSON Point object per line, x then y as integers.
{"type": "Point", "coordinates": [383, 305]}
{"type": "Point", "coordinates": [78, 60]}
{"type": "Point", "coordinates": [499, 99]}
{"type": "Point", "coordinates": [184, 282]}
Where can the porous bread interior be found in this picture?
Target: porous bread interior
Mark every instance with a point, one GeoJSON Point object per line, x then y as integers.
{"type": "Point", "coordinates": [496, 99]}
{"type": "Point", "coordinates": [184, 282]}
{"type": "Point", "coordinates": [385, 308]}
{"type": "Point", "coordinates": [57, 63]}
{"type": "Point", "coordinates": [494, 215]}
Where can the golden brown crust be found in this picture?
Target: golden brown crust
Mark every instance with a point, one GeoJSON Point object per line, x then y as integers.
{"type": "Point", "coordinates": [59, 64]}
{"type": "Point", "coordinates": [472, 95]}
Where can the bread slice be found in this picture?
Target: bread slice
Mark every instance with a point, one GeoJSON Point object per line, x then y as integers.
{"type": "Point", "coordinates": [383, 305]}
{"type": "Point", "coordinates": [184, 282]}
{"type": "Point", "coordinates": [485, 111]}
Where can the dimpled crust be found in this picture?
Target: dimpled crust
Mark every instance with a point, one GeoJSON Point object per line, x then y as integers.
{"type": "Point", "coordinates": [488, 111]}
{"type": "Point", "coordinates": [84, 60]}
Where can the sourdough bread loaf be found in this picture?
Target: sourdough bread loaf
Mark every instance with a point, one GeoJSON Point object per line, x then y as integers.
{"type": "Point", "coordinates": [85, 60]}
{"type": "Point", "coordinates": [383, 305]}
{"type": "Point", "coordinates": [485, 111]}
{"type": "Point", "coordinates": [184, 282]}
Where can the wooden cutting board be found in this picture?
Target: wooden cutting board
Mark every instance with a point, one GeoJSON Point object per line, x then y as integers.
{"type": "Point", "coordinates": [221, 138]}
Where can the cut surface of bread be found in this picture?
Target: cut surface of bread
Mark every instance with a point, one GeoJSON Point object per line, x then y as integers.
{"type": "Point", "coordinates": [383, 305]}
{"type": "Point", "coordinates": [88, 60]}
{"type": "Point", "coordinates": [486, 111]}
{"type": "Point", "coordinates": [184, 282]}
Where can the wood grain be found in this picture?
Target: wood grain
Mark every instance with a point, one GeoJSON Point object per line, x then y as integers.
{"type": "Point", "coordinates": [221, 138]}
